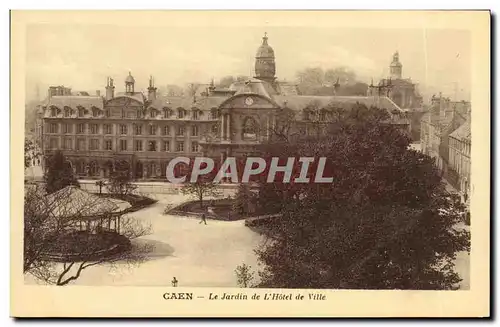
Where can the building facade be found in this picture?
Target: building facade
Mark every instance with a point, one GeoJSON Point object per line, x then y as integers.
{"type": "Point", "coordinates": [145, 132]}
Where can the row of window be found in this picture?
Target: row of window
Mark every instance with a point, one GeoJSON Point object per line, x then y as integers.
{"type": "Point", "coordinates": [123, 129]}
{"type": "Point", "coordinates": [464, 147]}
{"type": "Point", "coordinates": [153, 113]}
{"type": "Point", "coordinates": [138, 145]}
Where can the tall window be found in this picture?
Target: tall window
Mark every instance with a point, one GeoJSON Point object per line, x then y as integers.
{"type": "Point", "coordinates": [123, 145]}
{"type": "Point", "coordinates": [153, 113]}
{"type": "Point", "coordinates": [151, 145]}
{"type": "Point", "coordinates": [123, 129]}
{"type": "Point", "coordinates": [194, 131]}
{"type": "Point", "coordinates": [138, 145]}
{"type": "Point", "coordinates": [67, 128]}
{"type": "Point", "coordinates": [108, 129]}
{"type": "Point", "coordinates": [80, 129]}
{"type": "Point", "coordinates": [81, 112]}
{"type": "Point", "coordinates": [94, 144]}
{"type": "Point", "coordinates": [194, 147]}
{"type": "Point", "coordinates": [166, 146]}
{"type": "Point", "coordinates": [250, 129]}
{"type": "Point", "coordinates": [213, 113]}
{"type": "Point", "coordinates": [68, 144]}
{"type": "Point", "coordinates": [195, 114]}
{"type": "Point", "coordinates": [180, 146]}
{"type": "Point", "coordinates": [152, 129]}
{"type": "Point", "coordinates": [80, 144]}
{"type": "Point", "coordinates": [94, 128]}
{"type": "Point", "coordinates": [95, 112]}
{"type": "Point", "coordinates": [180, 131]}
{"type": "Point", "coordinates": [53, 128]}
{"type": "Point", "coordinates": [53, 112]}
{"type": "Point", "coordinates": [167, 112]}
{"type": "Point", "coordinates": [180, 113]}
{"type": "Point", "coordinates": [108, 145]}
{"type": "Point", "coordinates": [54, 143]}
{"type": "Point", "coordinates": [139, 114]}
{"type": "Point", "coordinates": [165, 130]}
{"type": "Point", "coordinates": [138, 129]}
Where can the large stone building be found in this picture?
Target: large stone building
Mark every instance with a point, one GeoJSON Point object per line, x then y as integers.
{"type": "Point", "coordinates": [146, 131]}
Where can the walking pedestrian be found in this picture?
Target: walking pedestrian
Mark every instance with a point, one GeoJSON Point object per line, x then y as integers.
{"type": "Point", "coordinates": [203, 219]}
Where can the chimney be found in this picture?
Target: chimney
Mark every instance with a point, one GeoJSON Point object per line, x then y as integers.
{"type": "Point", "coordinates": [151, 89]}
{"type": "Point", "coordinates": [110, 89]}
{"type": "Point", "coordinates": [98, 93]}
{"type": "Point", "coordinates": [442, 109]}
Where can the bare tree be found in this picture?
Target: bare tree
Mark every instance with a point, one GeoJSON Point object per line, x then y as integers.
{"type": "Point", "coordinates": [59, 231]}
{"type": "Point", "coordinates": [200, 189]}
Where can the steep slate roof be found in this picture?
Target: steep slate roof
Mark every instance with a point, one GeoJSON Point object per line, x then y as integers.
{"type": "Point", "coordinates": [74, 101]}
{"type": "Point", "coordinates": [138, 96]}
{"type": "Point", "coordinates": [299, 102]}
{"type": "Point", "coordinates": [463, 132]}
{"type": "Point", "coordinates": [202, 102]}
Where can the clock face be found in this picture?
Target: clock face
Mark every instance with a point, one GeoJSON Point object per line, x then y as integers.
{"type": "Point", "coordinates": [248, 101]}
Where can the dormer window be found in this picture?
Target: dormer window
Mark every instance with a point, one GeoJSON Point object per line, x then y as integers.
{"type": "Point", "coordinates": [195, 114]}
{"type": "Point", "coordinates": [81, 112]}
{"type": "Point", "coordinates": [153, 113]}
{"type": "Point", "coordinates": [95, 112]}
{"type": "Point", "coordinates": [180, 113]}
{"type": "Point", "coordinates": [53, 111]}
{"type": "Point", "coordinates": [67, 112]}
{"type": "Point", "coordinates": [167, 112]}
{"type": "Point", "coordinates": [213, 113]}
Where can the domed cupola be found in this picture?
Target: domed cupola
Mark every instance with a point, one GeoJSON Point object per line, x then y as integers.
{"type": "Point", "coordinates": [129, 83]}
{"type": "Point", "coordinates": [265, 66]}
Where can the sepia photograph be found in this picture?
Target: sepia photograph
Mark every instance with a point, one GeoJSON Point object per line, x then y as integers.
{"type": "Point", "coordinates": [232, 158]}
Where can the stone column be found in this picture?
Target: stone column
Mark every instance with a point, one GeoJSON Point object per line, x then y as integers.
{"type": "Point", "coordinates": [222, 126]}
{"type": "Point", "coordinates": [228, 127]}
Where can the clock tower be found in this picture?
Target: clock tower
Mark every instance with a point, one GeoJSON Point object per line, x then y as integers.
{"type": "Point", "coordinates": [265, 66]}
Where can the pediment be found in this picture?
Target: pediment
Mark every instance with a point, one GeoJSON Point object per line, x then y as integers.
{"type": "Point", "coordinates": [124, 102]}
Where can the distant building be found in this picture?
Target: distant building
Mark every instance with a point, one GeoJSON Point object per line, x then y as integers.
{"type": "Point", "coordinates": [144, 132]}
{"type": "Point", "coordinates": [442, 130]}
{"type": "Point", "coordinates": [59, 91]}
{"type": "Point", "coordinates": [401, 90]}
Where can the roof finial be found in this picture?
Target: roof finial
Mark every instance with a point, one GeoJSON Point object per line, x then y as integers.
{"type": "Point", "coordinates": [264, 38]}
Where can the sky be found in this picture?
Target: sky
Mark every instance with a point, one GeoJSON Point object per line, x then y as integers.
{"type": "Point", "coordinates": [82, 56]}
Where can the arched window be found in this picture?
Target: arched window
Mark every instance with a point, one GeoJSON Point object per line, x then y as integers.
{"type": "Point", "coordinates": [180, 113]}
{"type": "Point", "coordinates": [81, 112]}
{"type": "Point", "coordinates": [95, 112]}
{"type": "Point", "coordinates": [53, 111]}
{"type": "Point", "coordinates": [195, 113]}
{"type": "Point", "coordinates": [153, 113]}
{"type": "Point", "coordinates": [67, 111]}
{"type": "Point", "coordinates": [167, 112]}
{"type": "Point", "coordinates": [213, 113]}
{"type": "Point", "coordinates": [250, 129]}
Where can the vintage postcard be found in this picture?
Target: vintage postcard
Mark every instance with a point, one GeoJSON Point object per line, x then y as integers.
{"type": "Point", "coordinates": [250, 163]}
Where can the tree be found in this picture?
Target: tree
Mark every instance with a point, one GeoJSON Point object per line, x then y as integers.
{"type": "Point", "coordinates": [30, 153]}
{"type": "Point", "coordinates": [59, 173]}
{"type": "Point", "coordinates": [226, 81]}
{"type": "Point", "coordinates": [100, 184]}
{"type": "Point", "coordinates": [200, 189]}
{"type": "Point", "coordinates": [244, 275]}
{"type": "Point", "coordinates": [386, 221]}
{"type": "Point", "coordinates": [341, 74]}
{"type": "Point", "coordinates": [174, 90]}
{"type": "Point", "coordinates": [244, 200]}
{"type": "Point", "coordinates": [120, 181]}
{"type": "Point", "coordinates": [48, 225]}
